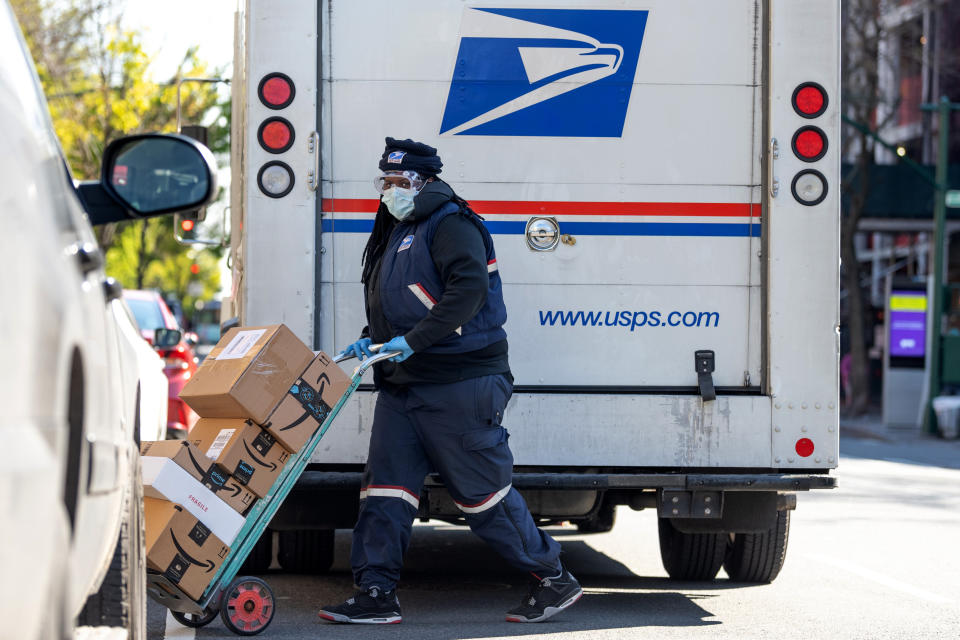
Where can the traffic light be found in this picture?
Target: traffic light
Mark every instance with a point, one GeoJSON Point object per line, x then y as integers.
{"type": "Point", "coordinates": [185, 224]}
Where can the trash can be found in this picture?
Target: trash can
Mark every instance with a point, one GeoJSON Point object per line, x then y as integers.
{"type": "Point", "coordinates": [947, 409]}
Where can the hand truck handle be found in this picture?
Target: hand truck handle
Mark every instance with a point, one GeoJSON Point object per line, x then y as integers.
{"type": "Point", "coordinates": [369, 362]}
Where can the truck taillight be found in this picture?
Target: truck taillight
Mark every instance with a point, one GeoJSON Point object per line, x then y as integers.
{"type": "Point", "coordinates": [275, 179]}
{"type": "Point", "coordinates": [809, 187]}
{"type": "Point", "coordinates": [809, 143]}
{"type": "Point", "coordinates": [809, 100]}
{"type": "Point", "coordinates": [276, 90]}
{"type": "Point", "coordinates": [275, 135]}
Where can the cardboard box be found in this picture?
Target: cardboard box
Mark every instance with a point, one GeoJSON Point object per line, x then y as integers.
{"type": "Point", "coordinates": [307, 403]}
{"type": "Point", "coordinates": [165, 479]}
{"type": "Point", "coordinates": [242, 449]}
{"type": "Point", "coordinates": [247, 373]}
{"type": "Point", "coordinates": [181, 547]}
{"type": "Point", "coordinates": [194, 462]}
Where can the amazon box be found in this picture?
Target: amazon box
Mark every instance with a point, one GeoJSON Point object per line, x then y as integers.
{"type": "Point", "coordinates": [308, 403]}
{"type": "Point", "coordinates": [189, 457]}
{"type": "Point", "coordinates": [242, 449]}
{"type": "Point", "coordinates": [181, 547]}
{"type": "Point", "coordinates": [165, 479]}
{"type": "Point", "coordinates": [247, 373]}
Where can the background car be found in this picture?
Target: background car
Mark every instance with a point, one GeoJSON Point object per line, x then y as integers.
{"type": "Point", "coordinates": [206, 325]}
{"type": "Point", "coordinates": [180, 362]}
{"type": "Point", "coordinates": [71, 515]}
{"type": "Point", "coordinates": [153, 380]}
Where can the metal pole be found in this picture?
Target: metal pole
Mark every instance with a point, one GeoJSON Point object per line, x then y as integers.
{"type": "Point", "coordinates": [939, 242]}
{"type": "Point", "coordinates": [182, 80]}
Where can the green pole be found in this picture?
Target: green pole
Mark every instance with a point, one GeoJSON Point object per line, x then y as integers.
{"type": "Point", "coordinates": [939, 217]}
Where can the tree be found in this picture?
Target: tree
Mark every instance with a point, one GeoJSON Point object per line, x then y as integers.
{"type": "Point", "coordinates": [98, 84]}
{"type": "Point", "coordinates": [864, 63]}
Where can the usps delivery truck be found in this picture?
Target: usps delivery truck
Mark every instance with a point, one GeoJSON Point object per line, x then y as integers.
{"type": "Point", "coordinates": [661, 179]}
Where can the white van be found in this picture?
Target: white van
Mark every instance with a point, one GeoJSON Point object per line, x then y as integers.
{"type": "Point", "coordinates": [661, 179]}
{"type": "Point", "coordinates": [77, 387]}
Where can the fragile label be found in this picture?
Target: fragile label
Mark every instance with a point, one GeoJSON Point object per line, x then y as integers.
{"type": "Point", "coordinates": [241, 344]}
{"type": "Point", "coordinates": [219, 443]}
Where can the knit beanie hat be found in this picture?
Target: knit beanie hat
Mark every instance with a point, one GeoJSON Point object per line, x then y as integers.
{"type": "Point", "coordinates": [407, 155]}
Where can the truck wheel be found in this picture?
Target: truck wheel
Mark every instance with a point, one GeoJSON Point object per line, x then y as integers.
{"type": "Point", "coordinates": [758, 557]}
{"type": "Point", "coordinates": [602, 522]}
{"type": "Point", "coordinates": [261, 556]}
{"type": "Point", "coordinates": [690, 556]}
{"type": "Point", "coordinates": [306, 550]}
{"type": "Point", "coordinates": [121, 600]}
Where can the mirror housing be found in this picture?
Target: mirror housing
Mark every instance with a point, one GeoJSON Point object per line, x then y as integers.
{"type": "Point", "coordinates": [166, 338]}
{"type": "Point", "coordinates": [149, 175]}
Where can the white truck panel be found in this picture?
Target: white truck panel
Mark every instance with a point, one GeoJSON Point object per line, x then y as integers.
{"type": "Point", "coordinates": [803, 243]}
{"type": "Point", "coordinates": [614, 430]}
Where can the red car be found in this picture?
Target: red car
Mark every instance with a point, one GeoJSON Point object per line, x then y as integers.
{"type": "Point", "coordinates": [179, 361]}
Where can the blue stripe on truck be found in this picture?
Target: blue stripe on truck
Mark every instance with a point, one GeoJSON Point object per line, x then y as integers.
{"type": "Point", "coordinates": [517, 227]}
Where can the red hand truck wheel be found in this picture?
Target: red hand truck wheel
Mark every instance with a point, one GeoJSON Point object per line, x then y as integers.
{"type": "Point", "coordinates": [247, 606]}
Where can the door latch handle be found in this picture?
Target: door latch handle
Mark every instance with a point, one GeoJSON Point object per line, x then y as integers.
{"type": "Point", "coordinates": [705, 365]}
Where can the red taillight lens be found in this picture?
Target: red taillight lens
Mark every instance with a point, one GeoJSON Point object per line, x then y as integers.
{"type": "Point", "coordinates": [809, 100]}
{"type": "Point", "coordinates": [809, 143]}
{"type": "Point", "coordinates": [276, 90]}
{"type": "Point", "coordinates": [275, 135]}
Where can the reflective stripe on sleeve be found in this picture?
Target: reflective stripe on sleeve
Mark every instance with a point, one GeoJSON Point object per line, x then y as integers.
{"type": "Point", "coordinates": [486, 503]}
{"type": "Point", "coordinates": [386, 491]}
{"type": "Point", "coordinates": [427, 300]}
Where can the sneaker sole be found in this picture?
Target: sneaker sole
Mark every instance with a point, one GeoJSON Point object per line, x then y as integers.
{"type": "Point", "coordinates": [549, 611]}
{"type": "Point", "coordinates": [336, 617]}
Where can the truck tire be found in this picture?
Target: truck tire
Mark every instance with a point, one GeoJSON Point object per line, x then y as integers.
{"type": "Point", "coordinates": [691, 556]}
{"type": "Point", "coordinates": [758, 557]}
{"type": "Point", "coordinates": [306, 550]}
{"type": "Point", "coordinates": [261, 556]}
{"type": "Point", "coordinates": [121, 600]}
{"type": "Point", "coordinates": [601, 522]}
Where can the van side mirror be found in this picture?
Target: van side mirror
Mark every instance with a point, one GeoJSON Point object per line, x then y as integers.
{"type": "Point", "coordinates": [148, 175]}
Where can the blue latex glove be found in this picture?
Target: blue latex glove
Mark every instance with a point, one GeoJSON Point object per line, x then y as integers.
{"type": "Point", "coordinates": [360, 348]}
{"type": "Point", "coordinates": [398, 344]}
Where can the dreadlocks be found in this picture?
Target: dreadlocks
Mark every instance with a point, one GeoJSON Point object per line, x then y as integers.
{"type": "Point", "coordinates": [377, 242]}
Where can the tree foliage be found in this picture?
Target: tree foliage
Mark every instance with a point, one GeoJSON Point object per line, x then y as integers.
{"type": "Point", "coordinates": [99, 87]}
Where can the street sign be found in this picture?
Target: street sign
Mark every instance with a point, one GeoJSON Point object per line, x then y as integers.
{"type": "Point", "coordinates": [952, 199]}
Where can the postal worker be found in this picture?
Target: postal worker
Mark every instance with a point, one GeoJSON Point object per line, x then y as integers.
{"type": "Point", "coordinates": [433, 293]}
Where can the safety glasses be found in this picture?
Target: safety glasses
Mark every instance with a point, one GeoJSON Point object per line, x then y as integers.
{"type": "Point", "coordinates": [402, 179]}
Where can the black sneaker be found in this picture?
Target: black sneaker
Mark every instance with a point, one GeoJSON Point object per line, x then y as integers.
{"type": "Point", "coordinates": [547, 597]}
{"type": "Point", "coordinates": [371, 606]}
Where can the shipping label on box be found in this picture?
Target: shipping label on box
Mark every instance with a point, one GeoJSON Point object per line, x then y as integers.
{"type": "Point", "coordinates": [181, 547]}
{"type": "Point", "coordinates": [308, 403]}
{"type": "Point", "coordinates": [165, 479]}
{"type": "Point", "coordinates": [239, 447]}
{"type": "Point", "coordinates": [247, 373]}
{"type": "Point", "coordinates": [201, 467]}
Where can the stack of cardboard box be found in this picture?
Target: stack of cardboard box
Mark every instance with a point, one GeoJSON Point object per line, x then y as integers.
{"type": "Point", "coordinates": [261, 394]}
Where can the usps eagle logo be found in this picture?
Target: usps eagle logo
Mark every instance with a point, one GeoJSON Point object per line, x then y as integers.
{"type": "Point", "coordinates": [544, 72]}
{"type": "Point", "coordinates": [396, 157]}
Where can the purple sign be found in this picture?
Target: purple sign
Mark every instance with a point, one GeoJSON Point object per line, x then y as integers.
{"type": "Point", "coordinates": [908, 324]}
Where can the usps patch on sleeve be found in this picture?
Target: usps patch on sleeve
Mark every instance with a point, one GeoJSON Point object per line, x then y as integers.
{"type": "Point", "coordinates": [405, 244]}
{"type": "Point", "coordinates": [396, 157]}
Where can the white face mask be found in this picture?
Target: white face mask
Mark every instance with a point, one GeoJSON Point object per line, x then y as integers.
{"type": "Point", "coordinates": [399, 202]}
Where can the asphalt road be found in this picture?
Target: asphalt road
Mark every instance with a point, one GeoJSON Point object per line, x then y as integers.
{"type": "Point", "coordinates": [877, 558]}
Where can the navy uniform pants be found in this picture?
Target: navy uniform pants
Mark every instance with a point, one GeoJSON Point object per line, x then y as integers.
{"type": "Point", "coordinates": [453, 429]}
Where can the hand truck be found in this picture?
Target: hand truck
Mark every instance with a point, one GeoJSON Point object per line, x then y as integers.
{"type": "Point", "coordinates": [246, 603]}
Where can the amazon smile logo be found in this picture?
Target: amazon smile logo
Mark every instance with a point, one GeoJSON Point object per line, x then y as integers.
{"type": "Point", "coordinates": [544, 72]}
{"type": "Point", "coordinates": [268, 465]}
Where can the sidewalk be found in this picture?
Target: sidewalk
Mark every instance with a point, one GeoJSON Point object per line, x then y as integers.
{"type": "Point", "coordinates": [867, 437]}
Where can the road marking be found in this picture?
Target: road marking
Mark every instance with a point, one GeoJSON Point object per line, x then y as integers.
{"type": "Point", "coordinates": [174, 629]}
{"type": "Point", "coordinates": [881, 579]}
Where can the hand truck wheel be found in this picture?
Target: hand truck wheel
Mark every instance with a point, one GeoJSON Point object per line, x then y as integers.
{"type": "Point", "coordinates": [247, 606]}
{"type": "Point", "coordinates": [195, 620]}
